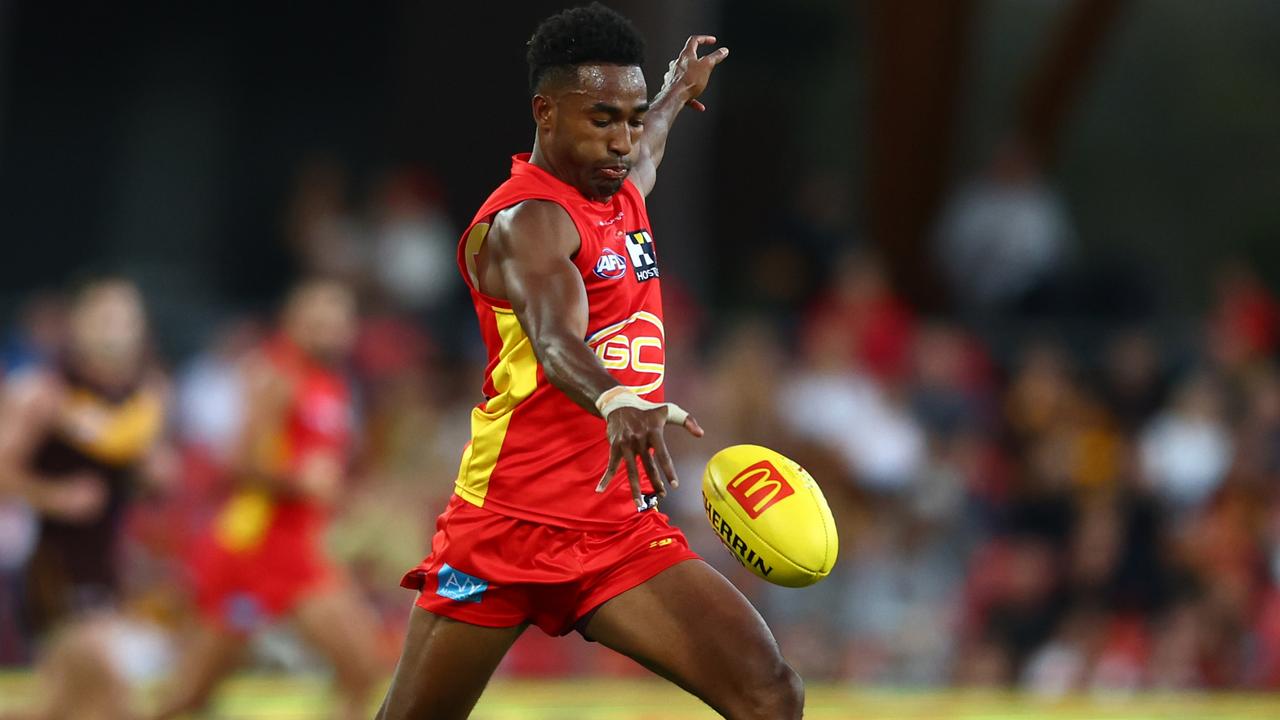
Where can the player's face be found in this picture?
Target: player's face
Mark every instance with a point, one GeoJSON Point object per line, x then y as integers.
{"type": "Point", "coordinates": [322, 321]}
{"type": "Point", "coordinates": [108, 331]}
{"type": "Point", "coordinates": [594, 125]}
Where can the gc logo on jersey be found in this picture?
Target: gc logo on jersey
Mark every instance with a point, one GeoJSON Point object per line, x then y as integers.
{"type": "Point", "coordinates": [643, 258]}
{"type": "Point", "coordinates": [633, 346]}
{"type": "Point", "coordinates": [611, 265]}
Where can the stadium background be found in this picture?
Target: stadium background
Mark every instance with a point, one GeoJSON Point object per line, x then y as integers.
{"type": "Point", "coordinates": [1001, 273]}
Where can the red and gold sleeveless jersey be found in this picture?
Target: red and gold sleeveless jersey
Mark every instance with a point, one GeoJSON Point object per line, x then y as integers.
{"type": "Point", "coordinates": [534, 454]}
{"type": "Point", "coordinates": [320, 418]}
{"type": "Point", "coordinates": [318, 421]}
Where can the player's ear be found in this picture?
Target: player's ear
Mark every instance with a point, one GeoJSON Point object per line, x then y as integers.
{"type": "Point", "coordinates": [543, 110]}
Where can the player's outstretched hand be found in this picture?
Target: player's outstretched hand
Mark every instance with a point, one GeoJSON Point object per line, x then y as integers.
{"type": "Point", "coordinates": [689, 73]}
{"type": "Point", "coordinates": [637, 432]}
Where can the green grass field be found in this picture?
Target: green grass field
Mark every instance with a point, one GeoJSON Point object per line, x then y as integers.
{"type": "Point", "coordinates": [270, 698]}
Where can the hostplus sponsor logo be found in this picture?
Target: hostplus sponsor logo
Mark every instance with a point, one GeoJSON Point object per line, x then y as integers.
{"type": "Point", "coordinates": [643, 257]}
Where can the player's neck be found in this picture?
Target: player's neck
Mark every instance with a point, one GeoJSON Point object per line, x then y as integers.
{"type": "Point", "coordinates": [540, 159]}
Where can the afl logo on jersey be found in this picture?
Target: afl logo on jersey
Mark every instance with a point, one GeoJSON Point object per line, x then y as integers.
{"type": "Point", "coordinates": [611, 265]}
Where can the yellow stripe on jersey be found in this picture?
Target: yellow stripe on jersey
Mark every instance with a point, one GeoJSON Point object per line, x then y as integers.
{"type": "Point", "coordinates": [515, 377]}
{"type": "Point", "coordinates": [475, 239]}
{"type": "Point", "coordinates": [112, 434]}
{"type": "Point", "coordinates": [243, 521]}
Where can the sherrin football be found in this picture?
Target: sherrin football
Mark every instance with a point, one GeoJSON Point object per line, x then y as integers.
{"type": "Point", "coordinates": [770, 514]}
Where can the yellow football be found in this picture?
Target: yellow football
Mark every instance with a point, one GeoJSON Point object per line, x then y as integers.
{"type": "Point", "coordinates": [770, 514]}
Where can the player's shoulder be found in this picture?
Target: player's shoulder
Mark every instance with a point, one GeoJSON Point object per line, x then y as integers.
{"type": "Point", "coordinates": [533, 226]}
{"type": "Point", "coordinates": [631, 190]}
{"type": "Point", "coordinates": [156, 384]}
{"type": "Point", "coordinates": [35, 390]}
{"type": "Point", "coordinates": [267, 378]}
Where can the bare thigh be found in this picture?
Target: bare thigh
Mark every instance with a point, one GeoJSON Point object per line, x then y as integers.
{"type": "Point", "coordinates": [692, 626]}
{"type": "Point", "coordinates": [345, 631]}
{"type": "Point", "coordinates": [444, 667]}
{"type": "Point", "coordinates": [210, 655]}
{"type": "Point", "coordinates": [79, 676]}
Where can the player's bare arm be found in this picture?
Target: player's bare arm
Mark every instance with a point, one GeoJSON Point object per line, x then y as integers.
{"type": "Point", "coordinates": [28, 411]}
{"type": "Point", "coordinates": [527, 261]}
{"type": "Point", "coordinates": [686, 79]}
{"type": "Point", "coordinates": [159, 472]}
{"type": "Point", "coordinates": [268, 399]}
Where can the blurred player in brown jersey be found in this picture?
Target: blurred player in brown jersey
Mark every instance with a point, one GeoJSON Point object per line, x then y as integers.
{"type": "Point", "coordinates": [74, 439]}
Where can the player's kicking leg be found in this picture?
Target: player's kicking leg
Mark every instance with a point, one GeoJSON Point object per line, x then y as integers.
{"type": "Point", "coordinates": [444, 667]}
{"type": "Point", "coordinates": [343, 629]}
{"type": "Point", "coordinates": [211, 655]}
{"type": "Point", "coordinates": [688, 624]}
{"type": "Point", "coordinates": [691, 626]}
{"type": "Point", "coordinates": [79, 677]}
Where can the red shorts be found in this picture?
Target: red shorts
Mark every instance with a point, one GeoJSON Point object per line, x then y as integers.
{"type": "Point", "coordinates": [241, 588]}
{"type": "Point", "coordinates": [497, 571]}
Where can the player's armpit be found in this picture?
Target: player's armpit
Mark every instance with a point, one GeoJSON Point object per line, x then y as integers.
{"type": "Point", "coordinates": [528, 261]}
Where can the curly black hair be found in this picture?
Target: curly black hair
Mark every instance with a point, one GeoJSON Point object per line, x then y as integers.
{"type": "Point", "coordinates": [588, 34]}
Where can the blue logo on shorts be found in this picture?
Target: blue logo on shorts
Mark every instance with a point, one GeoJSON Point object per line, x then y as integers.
{"type": "Point", "coordinates": [243, 612]}
{"type": "Point", "coordinates": [457, 585]}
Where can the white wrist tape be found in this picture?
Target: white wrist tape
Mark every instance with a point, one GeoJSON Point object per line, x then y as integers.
{"type": "Point", "coordinates": [621, 396]}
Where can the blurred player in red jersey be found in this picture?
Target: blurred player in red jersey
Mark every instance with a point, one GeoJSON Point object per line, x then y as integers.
{"type": "Point", "coordinates": [554, 520]}
{"type": "Point", "coordinates": [263, 558]}
{"type": "Point", "coordinates": [74, 438]}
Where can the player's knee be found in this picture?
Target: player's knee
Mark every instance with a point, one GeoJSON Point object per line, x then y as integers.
{"type": "Point", "coordinates": [794, 693]}
{"type": "Point", "coordinates": [777, 696]}
{"type": "Point", "coordinates": [81, 657]}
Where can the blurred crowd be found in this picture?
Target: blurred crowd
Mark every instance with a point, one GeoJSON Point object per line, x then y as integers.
{"type": "Point", "coordinates": [1059, 519]}
{"type": "Point", "coordinates": [1054, 515]}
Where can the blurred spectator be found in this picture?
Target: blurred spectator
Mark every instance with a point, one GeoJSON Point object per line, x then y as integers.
{"type": "Point", "coordinates": [1187, 449]}
{"type": "Point", "coordinates": [38, 333]}
{"type": "Point", "coordinates": [950, 381]}
{"type": "Point", "coordinates": [321, 229]}
{"type": "Point", "coordinates": [413, 242]}
{"type": "Point", "coordinates": [830, 402]}
{"type": "Point", "coordinates": [1004, 232]}
{"type": "Point", "coordinates": [210, 390]}
{"type": "Point", "coordinates": [860, 304]}
{"type": "Point", "coordinates": [1041, 393]}
{"type": "Point", "coordinates": [1133, 382]}
{"type": "Point", "coordinates": [1245, 322]}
